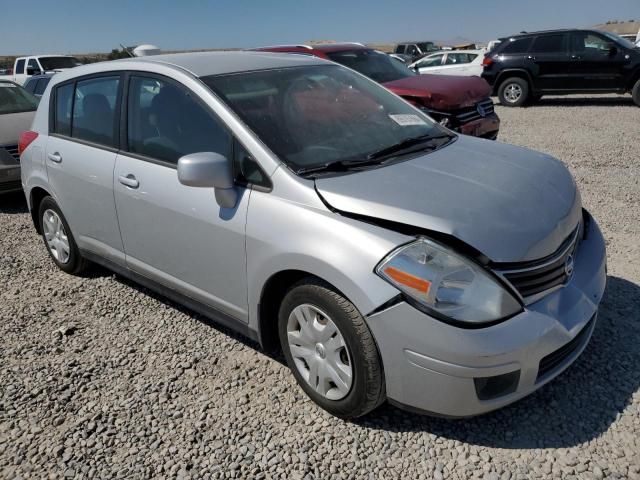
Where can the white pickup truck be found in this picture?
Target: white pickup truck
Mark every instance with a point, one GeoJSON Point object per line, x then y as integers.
{"type": "Point", "coordinates": [25, 67]}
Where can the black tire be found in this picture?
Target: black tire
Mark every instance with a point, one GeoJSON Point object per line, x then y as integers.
{"type": "Point", "coordinates": [515, 83]}
{"type": "Point", "coordinates": [76, 264]}
{"type": "Point", "coordinates": [635, 93]}
{"type": "Point", "coordinates": [367, 389]}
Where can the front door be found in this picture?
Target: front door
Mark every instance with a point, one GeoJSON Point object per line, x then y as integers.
{"type": "Point", "coordinates": [80, 157]}
{"type": "Point", "coordinates": [550, 62]}
{"type": "Point", "coordinates": [598, 63]}
{"type": "Point", "coordinates": [176, 235]}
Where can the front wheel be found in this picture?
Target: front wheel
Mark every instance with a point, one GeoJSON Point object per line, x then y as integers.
{"type": "Point", "coordinates": [513, 92]}
{"type": "Point", "coordinates": [330, 350]}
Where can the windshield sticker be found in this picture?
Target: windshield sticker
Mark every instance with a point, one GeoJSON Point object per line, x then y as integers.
{"type": "Point", "coordinates": [407, 120]}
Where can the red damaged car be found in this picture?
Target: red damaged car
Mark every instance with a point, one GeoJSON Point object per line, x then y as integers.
{"type": "Point", "coordinates": [462, 104]}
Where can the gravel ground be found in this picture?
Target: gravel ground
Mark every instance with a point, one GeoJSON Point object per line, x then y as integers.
{"type": "Point", "coordinates": [100, 378]}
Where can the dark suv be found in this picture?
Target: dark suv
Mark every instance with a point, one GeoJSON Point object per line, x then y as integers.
{"type": "Point", "coordinates": [524, 67]}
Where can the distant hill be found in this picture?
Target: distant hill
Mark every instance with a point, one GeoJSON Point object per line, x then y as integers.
{"type": "Point", "coordinates": [615, 26]}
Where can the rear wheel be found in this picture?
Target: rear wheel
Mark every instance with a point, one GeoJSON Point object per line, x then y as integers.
{"type": "Point", "coordinates": [513, 92]}
{"type": "Point", "coordinates": [58, 239]}
{"type": "Point", "coordinates": [635, 93]}
{"type": "Point", "coordinates": [330, 349]}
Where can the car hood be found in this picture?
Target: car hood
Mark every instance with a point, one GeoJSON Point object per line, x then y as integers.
{"type": "Point", "coordinates": [12, 125]}
{"type": "Point", "coordinates": [509, 203]}
{"type": "Point", "coordinates": [447, 92]}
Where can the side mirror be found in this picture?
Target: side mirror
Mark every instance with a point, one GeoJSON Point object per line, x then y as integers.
{"type": "Point", "coordinates": [613, 51]}
{"type": "Point", "coordinates": [209, 169]}
{"type": "Point", "coordinates": [33, 71]}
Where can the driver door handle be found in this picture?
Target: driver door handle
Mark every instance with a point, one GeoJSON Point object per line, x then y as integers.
{"type": "Point", "coordinates": [55, 157]}
{"type": "Point", "coordinates": [129, 181]}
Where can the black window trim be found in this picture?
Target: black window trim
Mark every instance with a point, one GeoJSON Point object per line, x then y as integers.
{"type": "Point", "coordinates": [74, 82]}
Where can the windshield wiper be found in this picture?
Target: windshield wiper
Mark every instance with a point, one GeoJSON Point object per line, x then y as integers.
{"type": "Point", "coordinates": [407, 144]}
{"type": "Point", "coordinates": [424, 142]}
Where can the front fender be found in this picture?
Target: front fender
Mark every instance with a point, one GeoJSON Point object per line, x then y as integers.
{"type": "Point", "coordinates": [285, 235]}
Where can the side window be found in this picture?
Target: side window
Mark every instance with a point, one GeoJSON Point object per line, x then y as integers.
{"type": "Point", "coordinates": [432, 61]}
{"type": "Point", "coordinates": [165, 122]}
{"type": "Point", "coordinates": [245, 169]}
{"type": "Point", "coordinates": [63, 99]}
{"type": "Point", "coordinates": [411, 50]}
{"type": "Point", "coordinates": [548, 44]}
{"type": "Point", "coordinates": [32, 67]}
{"type": "Point", "coordinates": [41, 86]}
{"type": "Point", "coordinates": [30, 85]}
{"type": "Point", "coordinates": [456, 58]}
{"type": "Point", "coordinates": [94, 110]}
{"type": "Point", "coordinates": [516, 46]}
{"type": "Point", "coordinates": [400, 49]}
{"type": "Point", "coordinates": [583, 42]}
{"type": "Point", "coordinates": [19, 67]}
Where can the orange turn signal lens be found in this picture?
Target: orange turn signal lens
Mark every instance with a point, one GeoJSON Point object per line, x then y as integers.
{"type": "Point", "coordinates": [408, 280]}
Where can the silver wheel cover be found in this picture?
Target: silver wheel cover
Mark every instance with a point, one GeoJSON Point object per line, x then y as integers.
{"type": "Point", "coordinates": [513, 92]}
{"type": "Point", "coordinates": [319, 352]}
{"type": "Point", "coordinates": [56, 236]}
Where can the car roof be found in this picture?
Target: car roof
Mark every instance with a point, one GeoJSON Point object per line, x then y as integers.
{"type": "Point", "coordinates": [201, 64]}
{"type": "Point", "coordinates": [544, 32]}
{"type": "Point", "coordinates": [339, 47]}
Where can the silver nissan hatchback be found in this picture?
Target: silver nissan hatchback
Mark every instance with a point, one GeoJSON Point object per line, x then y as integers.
{"type": "Point", "coordinates": [300, 203]}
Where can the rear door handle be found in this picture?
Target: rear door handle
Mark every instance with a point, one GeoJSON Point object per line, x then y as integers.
{"type": "Point", "coordinates": [129, 181]}
{"type": "Point", "coordinates": [55, 157]}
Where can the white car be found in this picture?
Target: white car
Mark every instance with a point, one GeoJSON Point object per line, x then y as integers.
{"type": "Point", "coordinates": [454, 62]}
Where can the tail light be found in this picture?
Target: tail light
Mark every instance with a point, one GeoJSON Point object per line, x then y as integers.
{"type": "Point", "coordinates": [25, 140]}
{"type": "Point", "coordinates": [487, 61]}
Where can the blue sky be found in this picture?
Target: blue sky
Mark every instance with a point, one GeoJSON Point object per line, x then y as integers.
{"type": "Point", "coordinates": [75, 26]}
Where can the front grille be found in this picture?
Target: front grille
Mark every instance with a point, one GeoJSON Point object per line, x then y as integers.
{"type": "Point", "coordinates": [557, 358]}
{"type": "Point", "coordinates": [531, 279]}
{"type": "Point", "coordinates": [13, 151]}
{"type": "Point", "coordinates": [479, 110]}
{"type": "Point", "coordinates": [11, 186]}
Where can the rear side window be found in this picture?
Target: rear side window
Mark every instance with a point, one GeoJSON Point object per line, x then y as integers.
{"type": "Point", "coordinates": [19, 67]}
{"type": "Point", "coordinates": [165, 122]}
{"type": "Point", "coordinates": [519, 45]}
{"type": "Point", "coordinates": [548, 44]}
{"type": "Point", "coordinates": [432, 61]}
{"type": "Point", "coordinates": [456, 58]}
{"type": "Point", "coordinates": [30, 86]}
{"type": "Point", "coordinates": [41, 86]}
{"type": "Point", "coordinates": [94, 110]}
{"type": "Point", "coordinates": [63, 99]}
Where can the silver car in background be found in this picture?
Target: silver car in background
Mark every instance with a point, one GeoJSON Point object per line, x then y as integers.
{"type": "Point", "coordinates": [300, 203]}
{"type": "Point", "coordinates": [17, 109]}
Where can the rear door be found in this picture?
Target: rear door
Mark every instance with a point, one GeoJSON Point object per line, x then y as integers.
{"type": "Point", "coordinates": [173, 234]}
{"type": "Point", "coordinates": [550, 62]}
{"type": "Point", "coordinates": [597, 62]}
{"type": "Point", "coordinates": [81, 155]}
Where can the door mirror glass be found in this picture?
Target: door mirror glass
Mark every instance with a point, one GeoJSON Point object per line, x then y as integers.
{"type": "Point", "coordinates": [209, 169]}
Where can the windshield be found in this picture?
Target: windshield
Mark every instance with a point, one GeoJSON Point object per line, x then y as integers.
{"type": "Point", "coordinates": [313, 115]}
{"type": "Point", "coordinates": [55, 63]}
{"type": "Point", "coordinates": [618, 39]}
{"type": "Point", "coordinates": [376, 65]}
{"type": "Point", "coordinates": [15, 99]}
